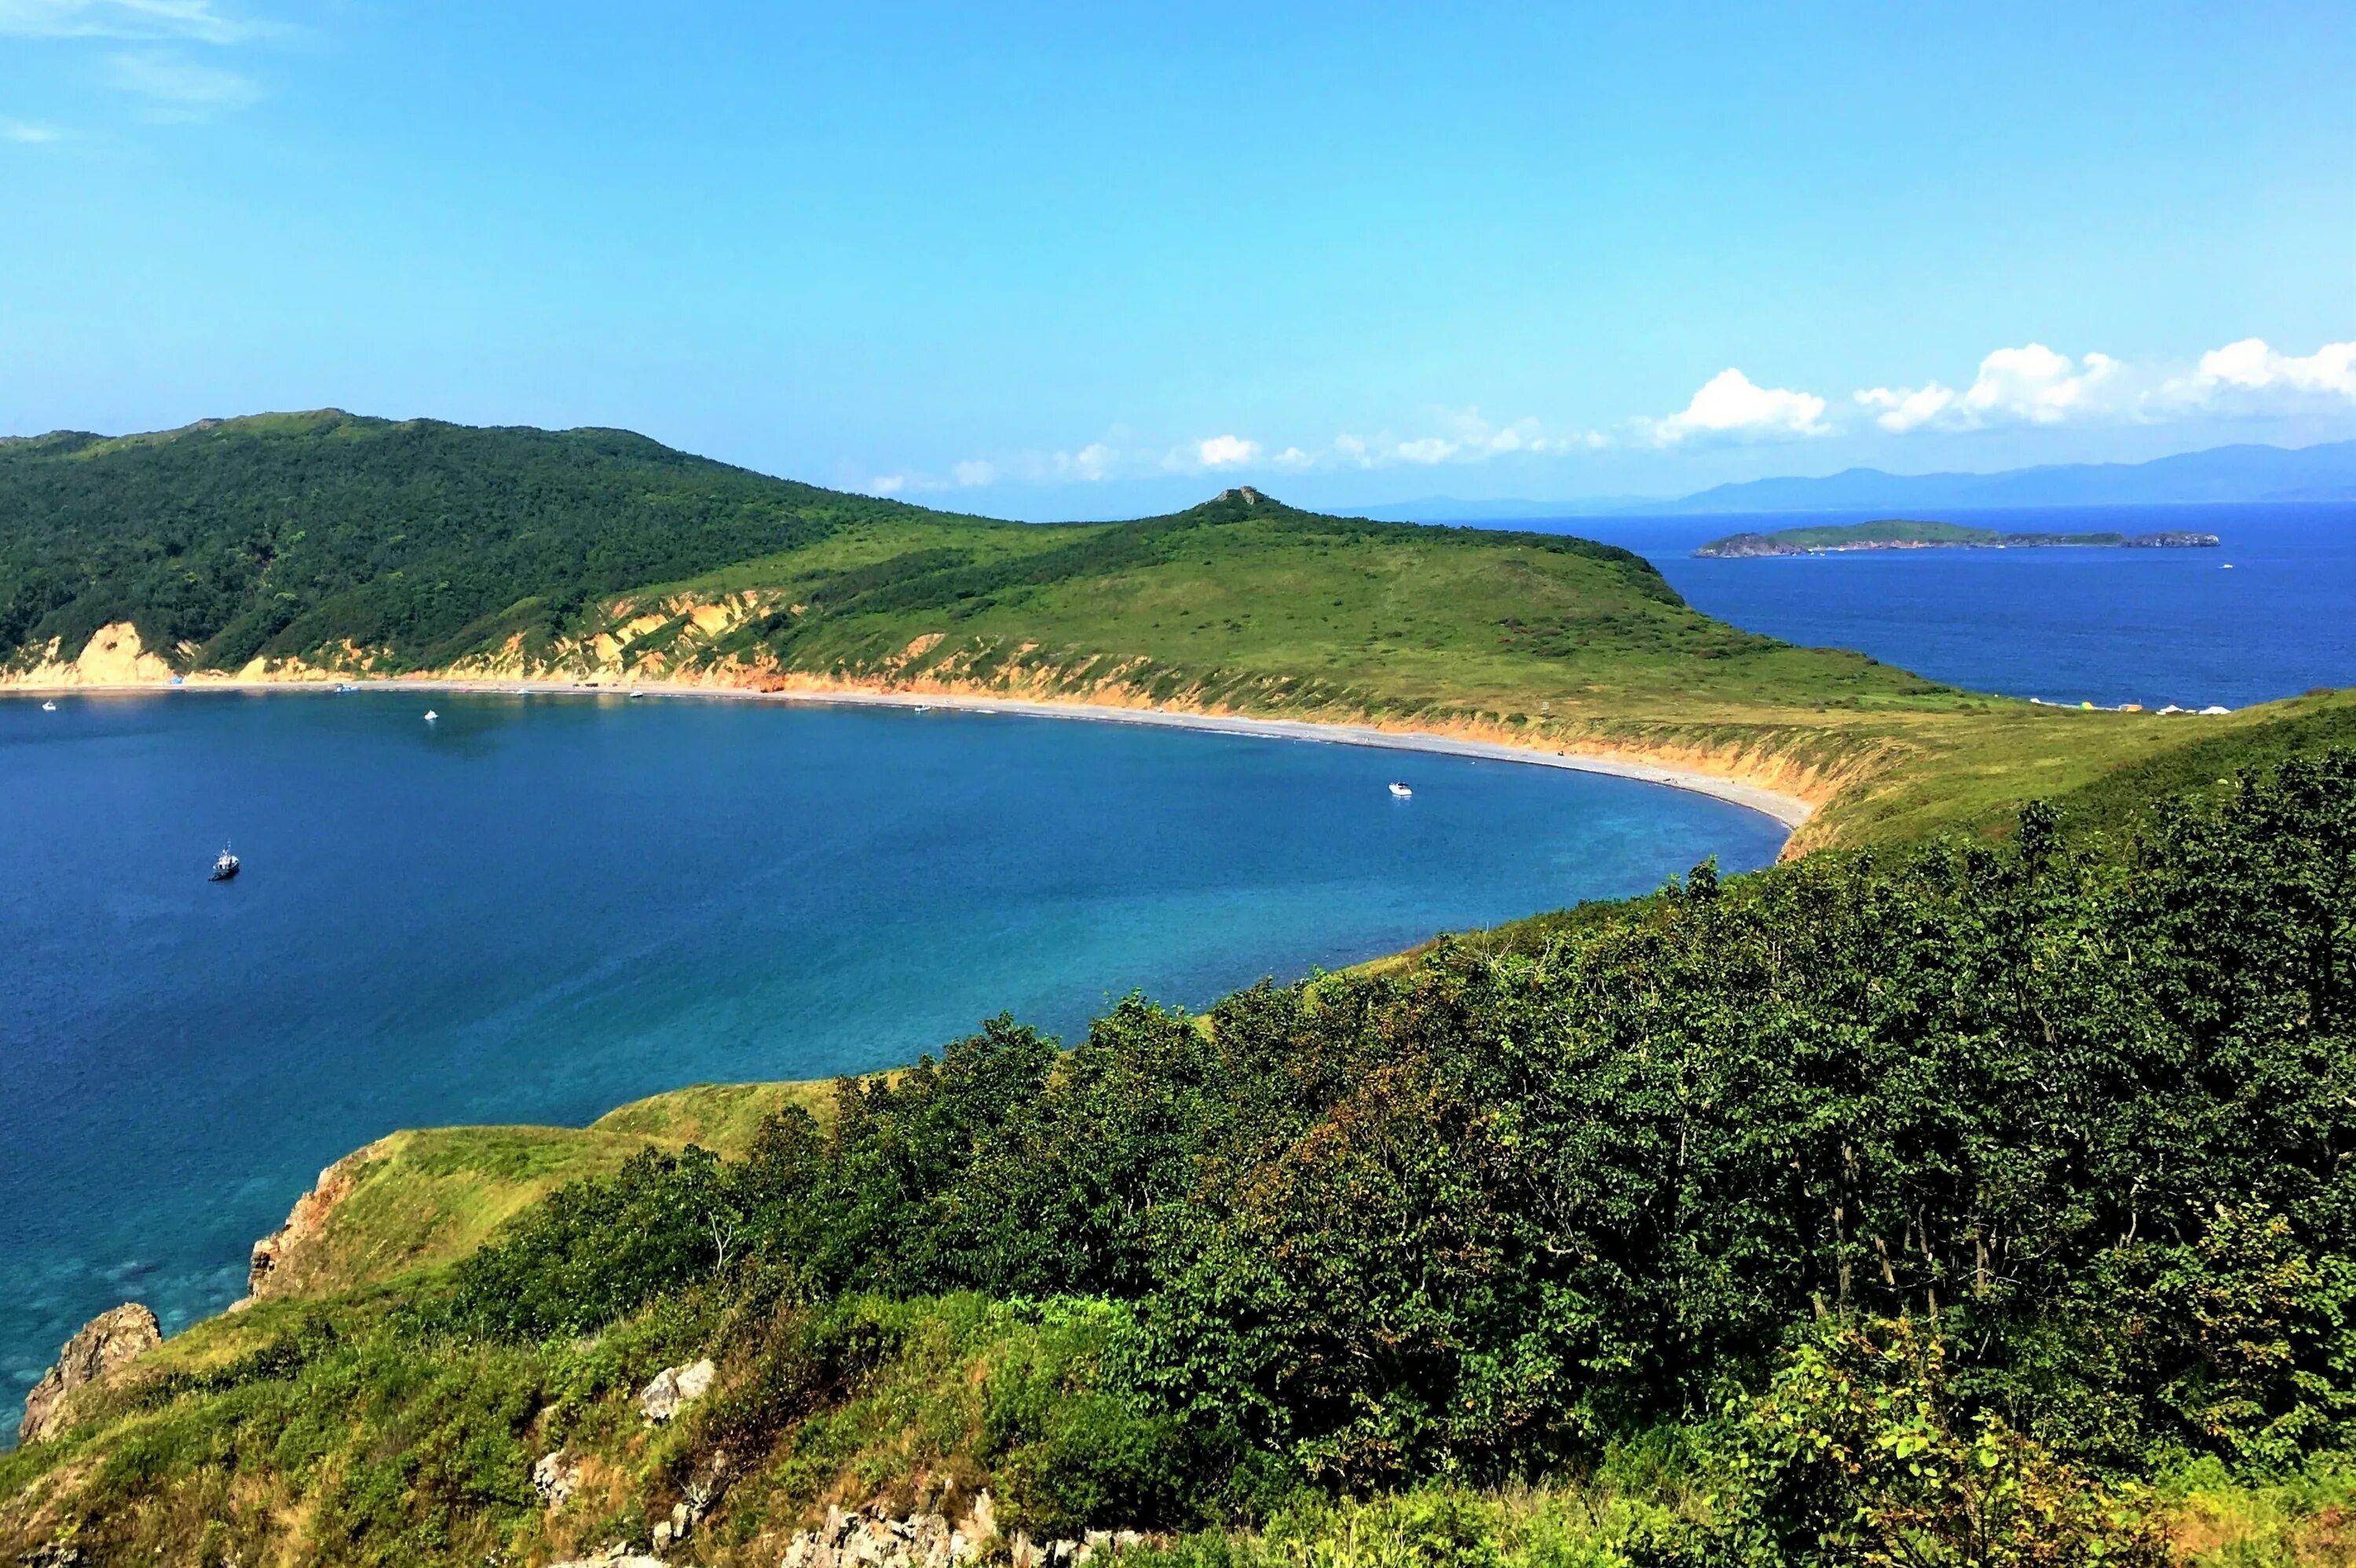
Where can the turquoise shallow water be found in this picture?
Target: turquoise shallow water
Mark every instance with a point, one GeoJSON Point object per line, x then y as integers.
{"type": "Point", "coordinates": [538, 908]}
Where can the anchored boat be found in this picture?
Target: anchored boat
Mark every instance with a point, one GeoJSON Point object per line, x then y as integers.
{"type": "Point", "coordinates": [1400, 792]}
{"type": "Point", "coordinates": [224, 866]}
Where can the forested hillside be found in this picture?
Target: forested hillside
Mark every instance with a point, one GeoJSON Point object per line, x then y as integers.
{"type": "Point", "coordinates": [1966, 1204]}
{"type": "Point", "coordinates": [319, 545]}
{"type": "Point", "coordinates": [284, 534]}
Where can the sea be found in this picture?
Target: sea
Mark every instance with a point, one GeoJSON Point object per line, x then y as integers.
{"type": "Point", "coordinates": [536, 909]}
{"type": "Point", "coordinates": [2270, 612]}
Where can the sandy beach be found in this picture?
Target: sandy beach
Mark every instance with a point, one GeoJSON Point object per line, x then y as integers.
{"type": "Point", "coordinates": [1789, 810]}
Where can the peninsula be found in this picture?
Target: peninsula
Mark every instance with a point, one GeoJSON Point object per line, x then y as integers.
{"type": "Point", "coordinates": [1905, 533]}
{"type": "Point", "coordinates": [327, 547]}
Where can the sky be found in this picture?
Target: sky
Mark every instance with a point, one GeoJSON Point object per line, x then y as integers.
{"type": "Point", "coordinates": [1098, 260]}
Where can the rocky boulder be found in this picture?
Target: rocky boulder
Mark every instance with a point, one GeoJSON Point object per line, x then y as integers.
{"type": "Point", "coordinates": [555, 1476]}
{"type": "Point", "coordinates": [674, 1387]}
{"type": "Point", "coordinates": [873, 1540]}
{"type": "Point", "coordinates": [107, 1341]}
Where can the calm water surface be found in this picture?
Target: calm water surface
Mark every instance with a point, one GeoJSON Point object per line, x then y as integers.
{"type": "Point", "coordinates": [2107, 627]}
{"type": "Point", "coordinates": [538, 908]}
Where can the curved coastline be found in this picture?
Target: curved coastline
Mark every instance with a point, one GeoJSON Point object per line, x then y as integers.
{"type": "Point", "coordinates": [1792, 811]}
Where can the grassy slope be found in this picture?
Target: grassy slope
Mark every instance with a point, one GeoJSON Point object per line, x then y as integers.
{"type": "Point", "coordinates": [422, 1198]}
{"type": "Point", "coordinates": [1251, 607]}
{"type": "Point", "coordinates": [426, 546]}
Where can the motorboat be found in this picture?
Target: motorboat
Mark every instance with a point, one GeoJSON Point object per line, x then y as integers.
{"type": "Point", "coordinates": [1400, 792]}
{"type": "Point", "coordinates": [51, 706]}
{"type": "Point", "coordinates": [430, 716]}
{"type": "Point", "coordinates": [224, 866]}
{"type": "Point", "coordinates": [344, 687]}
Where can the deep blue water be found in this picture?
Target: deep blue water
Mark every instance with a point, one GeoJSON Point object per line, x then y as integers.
{"type": "Point", "coordinates": [538, 908]}
{"type": "Point", "coordinates": [2107, 627]}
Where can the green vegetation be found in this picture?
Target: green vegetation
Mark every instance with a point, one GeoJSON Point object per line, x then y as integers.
{"type": "Point", "coordinates": [1901, 533]}
{"type": "Point", "coordinates": [1907, 536]}
{"type": "Point", "coordinates": [1850, 535]}
{"type": "Point", "coordinates": [1975, 1202]}
{"type": "Point", "coordinates": [360, 545]}
{"type": "Point", "coordinates": [285, 535]}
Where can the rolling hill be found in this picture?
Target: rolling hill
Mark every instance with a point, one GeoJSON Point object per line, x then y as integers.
{"type": "Point", "coordinates": [312, 546]}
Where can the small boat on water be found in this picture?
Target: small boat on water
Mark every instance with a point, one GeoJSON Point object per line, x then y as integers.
{"type": "Point", "coordinates": [224, 866]}
{"type": "Point", "coordinates": [635, 694]}
{"type": "Point", "coordinates": [51, 706]}
{"type": "Point", "coordinates": [1400, 792]}
{"type": "Point", "coordinates": [344, 687]}
{"type": "Point", "coordinates": [430, 716]}
{"type": "Point", "coordinates": [924, 707]}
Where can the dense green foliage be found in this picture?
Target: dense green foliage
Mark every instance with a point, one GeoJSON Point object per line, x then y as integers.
{"type": "Point", "coordinates": [2087, 1121]}
{"type": "Point", "coordinates": [1918, 1203]}
{"type": "Point", "coordinates": [283, 535]}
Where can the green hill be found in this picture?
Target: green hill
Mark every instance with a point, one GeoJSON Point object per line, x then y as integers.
{"type": "Point", "coordinates": [326, 543]}
{"type": "Point", "coordinates": [284, 535]}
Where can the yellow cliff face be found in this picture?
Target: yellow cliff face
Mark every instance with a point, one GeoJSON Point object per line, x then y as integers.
{"type": "Point", "coordinates": [112, 656]}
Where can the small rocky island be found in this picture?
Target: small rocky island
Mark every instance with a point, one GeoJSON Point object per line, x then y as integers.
{"type": "Point", "coordinates": [1905, 533]}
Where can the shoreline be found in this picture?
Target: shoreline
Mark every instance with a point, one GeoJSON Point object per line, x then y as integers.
{"type": "Point", "coordinates": [1790, 811]}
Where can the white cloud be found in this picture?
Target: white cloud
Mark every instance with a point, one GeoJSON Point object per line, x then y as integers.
{"type": "Point", "coordinates": [888, 484]}
{"type": "Point", "coordinates": [2035, 385]}
{"type": "Point", "coordinates": [968, 474]}
{"type": "Point", "coordinates": [183, 87]}
{"type": "Point", "coordinates": [1731, 404]}
{"type": "Point", "coordinates": [1429, 449]}
{"type": "Point", "coordinates": [1093, 461]}
{"type": "Point", "coordinates": [195, 20]}
{"type": "Point", "coordinates": [25, 132]}
{"type": "Point", "coordinates": [2252, 365]}
{"type": "Point", "coordinates": [1226, 451]}
{"type": "Point", "coordinates": [2031, 384]}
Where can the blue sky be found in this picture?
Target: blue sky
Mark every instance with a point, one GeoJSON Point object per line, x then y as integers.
{"type": "Point", "coordinates": [1097, 260]}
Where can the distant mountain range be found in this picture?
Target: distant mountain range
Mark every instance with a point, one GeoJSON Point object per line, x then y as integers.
{"type": "Point", "coordinates": [2223, 473]}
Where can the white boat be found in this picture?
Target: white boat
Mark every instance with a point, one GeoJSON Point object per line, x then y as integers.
{"type": "Point", "coordinates": [430, 716]}
{"type": "Point", "coordinates": [51, 706]}
{"type": "Point", "coordinates": [924, 707]}
{"type": "Point", "coordinates": [635, 694]}
{"type": "Point", "coordinates": [345, 688]}
{"type": "Point", "coordinates": [224, 866]}
{"type": "Point", "coordinates": [1400, 792]}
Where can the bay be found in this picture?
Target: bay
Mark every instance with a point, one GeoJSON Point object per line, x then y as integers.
{"type": "Point", "coordinates": [536, 909]}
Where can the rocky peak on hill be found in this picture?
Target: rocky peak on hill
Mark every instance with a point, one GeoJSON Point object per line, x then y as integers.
{"type": "Point", "coordinates": [108, 1341]}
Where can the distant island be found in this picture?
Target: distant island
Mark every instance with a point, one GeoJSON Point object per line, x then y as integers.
{"type": "Point", "coordinates": [1902, 533]}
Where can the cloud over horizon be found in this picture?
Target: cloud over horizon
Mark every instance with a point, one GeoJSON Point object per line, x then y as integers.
{"type": "Point", "coordinates": [2032, 385]}
{"type": "Point", "coordinates": [1730, 405]}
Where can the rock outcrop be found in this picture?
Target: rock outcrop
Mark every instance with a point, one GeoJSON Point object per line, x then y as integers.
{"type": "Point", "coordinates": [674, 1387]}
{"type": "Point", "coordinates": [929, 1541]}
{"type": "Point", "coordinates": [107, 1341]}
{"type": "Point", "coordinates": [871, 1540]}
{"type": "Point", "coordinates": [268, 1273]}
{"type": "Point", "coordinates": [555, 1476]}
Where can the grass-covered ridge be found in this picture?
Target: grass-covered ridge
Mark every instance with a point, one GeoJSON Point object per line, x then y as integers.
{"type": "Point", "coordinates": [1968, 1203]}
{"type": "Point", "coordinates": [323, 543]}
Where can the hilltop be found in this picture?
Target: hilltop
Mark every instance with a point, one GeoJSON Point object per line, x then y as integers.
{"type": "Point", "coordinates": [324, 545]}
